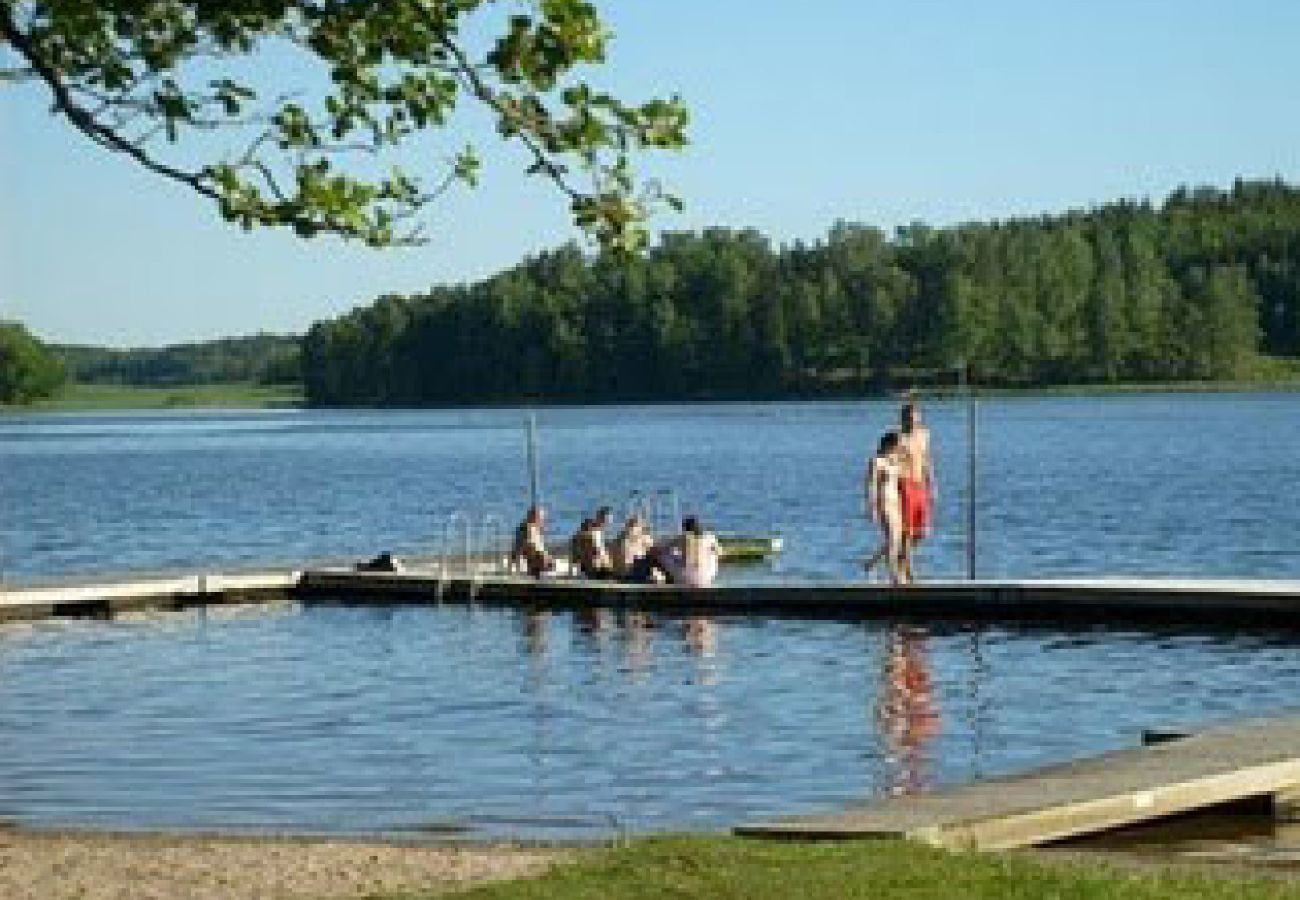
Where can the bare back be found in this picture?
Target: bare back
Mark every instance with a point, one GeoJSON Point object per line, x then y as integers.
{"type": "Point", "coordinates": [916, 453]}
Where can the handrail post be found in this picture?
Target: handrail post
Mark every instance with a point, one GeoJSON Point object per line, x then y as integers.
{"type": "Point", "coordinates": [534, 473]}
{"type": "Point", "coordinates": [972, 454]}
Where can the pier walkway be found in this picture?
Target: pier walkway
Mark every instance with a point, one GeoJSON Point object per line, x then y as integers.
{"type": "Point", "coordinates": [1275, 603]}
{"type": "Point", "coordinates": [1206, 601]}
{"type": "Point", "coordinates": [1255, 759]}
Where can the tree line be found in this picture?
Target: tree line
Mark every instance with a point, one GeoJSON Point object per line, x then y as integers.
{"type": "Point", "coordinates": [1205, 285]}
{"type": "Point", "coordinates": [28, 370]}
{"type": "Point", "coordinates": [260, 359]}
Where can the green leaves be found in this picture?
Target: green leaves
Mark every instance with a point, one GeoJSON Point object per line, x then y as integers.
{"type": "Point", "coordinates": [28, 371]}
{"type": "Point", "coordinates": [122, 72]}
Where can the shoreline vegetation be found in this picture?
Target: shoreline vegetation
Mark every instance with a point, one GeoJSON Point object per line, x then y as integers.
{"type": "Point", "coordinates": [125, 397]}
{"type": "Point", "coordinates": [1285, 377]}
{"type": "Point", "coordinates": [90, 866]}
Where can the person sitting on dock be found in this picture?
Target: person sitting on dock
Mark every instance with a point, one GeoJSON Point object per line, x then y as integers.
{"type": "Point", "coordinates": [630, 546]}
{"type": "Point", "coordinates": [529, 551]}
{"type": "Point", "coordinates": [691, 558]}
{"type": "Point", "coordinates": [587, 551]}
{"type": "Point", "coordinates": [599, 523]}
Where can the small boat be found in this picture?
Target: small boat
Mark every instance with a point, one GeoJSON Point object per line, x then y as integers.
{"type": "Point", "coordinates": [749, 547]}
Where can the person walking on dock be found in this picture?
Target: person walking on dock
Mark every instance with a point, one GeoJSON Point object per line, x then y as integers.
{"type": "Point", "coordinates": [884, 505]}
{"type": "Point", "coordinates": [916, 484]}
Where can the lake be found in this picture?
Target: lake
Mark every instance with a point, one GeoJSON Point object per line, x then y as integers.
{"type": "Point", "coordinates": [492, 722]}
{"type": "Point", "coordinates": [1143, 485]}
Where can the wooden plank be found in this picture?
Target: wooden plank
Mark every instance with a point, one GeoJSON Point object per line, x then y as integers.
{"type": "Point", "coordinates": [1126, 787]}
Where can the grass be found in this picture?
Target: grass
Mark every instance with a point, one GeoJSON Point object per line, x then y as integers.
{"type": "Point", "coordinates": [116, 396]}
{"type": "Point", "coordinates": [719, 868]}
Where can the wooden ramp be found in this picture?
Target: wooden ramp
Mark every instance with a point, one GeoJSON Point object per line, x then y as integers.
{"type": "Point", "coordinates": [1246, 760]}
{"type": "Point", "coordinates": [75, 597]}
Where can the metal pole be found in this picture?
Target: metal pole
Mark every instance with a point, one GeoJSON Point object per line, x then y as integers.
{"type": "Point", "coordinates": [534, 479]}
{"type": "Point", "coordinates": [971, 484]}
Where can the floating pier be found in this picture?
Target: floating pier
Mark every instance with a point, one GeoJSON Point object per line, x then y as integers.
{"type": "Point", "coordinates": [1241, 762]}
{"type": "Point", "coordinates": [1275, 603]}
{"type": "Point", "coordinates": [1102, 601]}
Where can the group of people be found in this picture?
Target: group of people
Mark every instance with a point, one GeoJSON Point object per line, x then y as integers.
{"type": "Point", "coordinates": [900, 490]}
{"type": "Point", "coordinates": [690, 558]}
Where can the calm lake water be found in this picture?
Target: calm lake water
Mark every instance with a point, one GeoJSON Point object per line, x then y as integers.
{"type": "Point", "coordinates": [497, 722]}
{"type": "Point", "coordinates": [1151, 485]}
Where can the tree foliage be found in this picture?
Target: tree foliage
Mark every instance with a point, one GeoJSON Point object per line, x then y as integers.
{"type": "Point", "coordinates": [139, 78]}
{"type": "Point", "coordinates": [1193, 289]}
{"type": "Point", "coordinates": [262, 358]}
{"type": "Point", "coordinates": [28, 371]}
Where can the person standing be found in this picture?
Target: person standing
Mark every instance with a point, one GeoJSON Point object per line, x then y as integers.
{"type": "Point", "coordinates": [916, 484]}
{"type": "Point", "coordinates": [884, 505]}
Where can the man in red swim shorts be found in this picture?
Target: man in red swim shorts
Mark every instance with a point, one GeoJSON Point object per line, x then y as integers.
{"type": "Point", "coordinates": [916, 486]}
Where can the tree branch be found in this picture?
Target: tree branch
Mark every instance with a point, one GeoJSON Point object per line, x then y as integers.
{"type": "Point", "coordinates": [470, 76]}
{"type": "Point", "coordinates": [84, 121]}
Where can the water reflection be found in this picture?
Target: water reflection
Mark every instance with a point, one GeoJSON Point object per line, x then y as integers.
{"type": "Point", "coordinates": [701, 634]}
{"type": "Point", "coordinates": [638, 632]}
{"type": "Point", "coordinates": [521, 723]}
{"type": "Point", "coordinates": [536, 630]}
{"type": "Point", "coordinates": [592, 620]}
{"type": "Point", "coordinates": [906, 713]}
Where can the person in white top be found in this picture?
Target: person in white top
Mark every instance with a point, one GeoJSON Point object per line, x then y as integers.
{"type": "Point", "coordinates": [691, 558]}
{"type": "Point", "coordinates": [885, 506]}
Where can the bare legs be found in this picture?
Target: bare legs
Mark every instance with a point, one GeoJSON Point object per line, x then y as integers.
{"type": "Point", "coordinates": [893, 550]}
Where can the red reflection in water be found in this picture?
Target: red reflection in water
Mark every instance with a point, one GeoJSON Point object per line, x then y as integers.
{"type": "Point", "coordinates": [906, 712]}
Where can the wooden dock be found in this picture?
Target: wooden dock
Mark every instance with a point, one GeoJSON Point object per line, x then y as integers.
{"type": "Point", "coordinates": [1271, 603]}
{"type": "Point", "coordinates": [1259, 759]}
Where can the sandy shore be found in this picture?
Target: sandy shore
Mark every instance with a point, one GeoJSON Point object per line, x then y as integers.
{"type": "Point", "coordinates": [117, 867]}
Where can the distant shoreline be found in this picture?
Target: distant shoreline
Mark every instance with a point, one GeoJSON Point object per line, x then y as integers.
{"type": "Point", "coordinates": [100, 397]}
{"type": "Point", "coordinates": [108, 397]}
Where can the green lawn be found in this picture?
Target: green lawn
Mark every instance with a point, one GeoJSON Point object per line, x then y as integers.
{"type": "Point", "coordinates": [113, 396]}
{"type": "Point", "coordinates": [721, 868]}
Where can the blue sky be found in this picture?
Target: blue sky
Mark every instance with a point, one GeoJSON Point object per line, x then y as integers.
{"type": "Point", "coordinates": [804, 114]}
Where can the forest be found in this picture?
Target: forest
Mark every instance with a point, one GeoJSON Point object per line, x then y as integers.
{"type": "Point", "coordinates": [1203, 286]}
{"type": "Point", "coordinates": [258, 359]}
